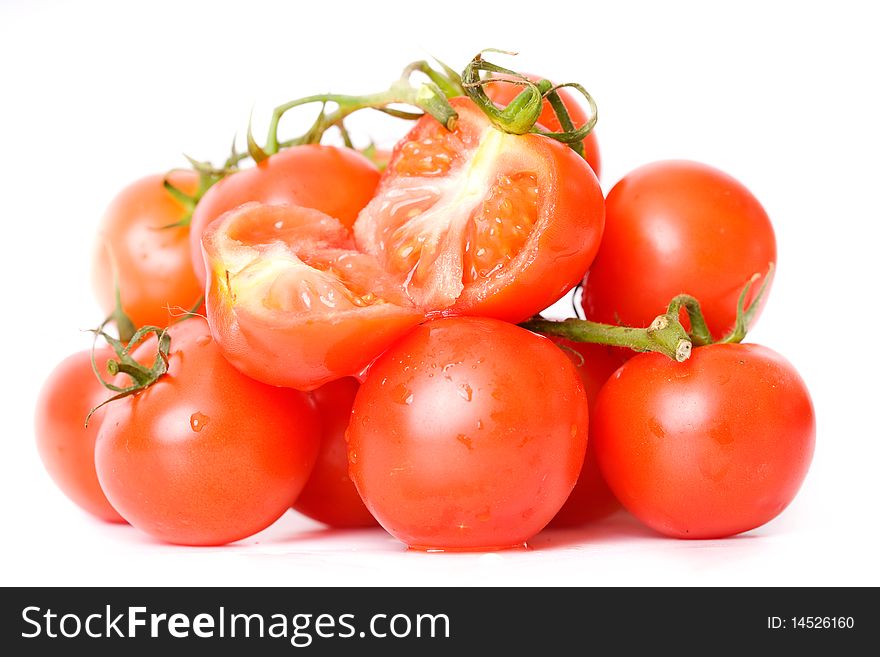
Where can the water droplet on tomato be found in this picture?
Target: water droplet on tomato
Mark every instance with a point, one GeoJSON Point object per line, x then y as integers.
{"type": "Point", "coordinates": [352, 457]}
{"type": "Point", "coordinates": [197, 421]}
{"type": "Point", "coordinates": [465, 392]}
{"type": "Point", "coordinates": [401, 394]}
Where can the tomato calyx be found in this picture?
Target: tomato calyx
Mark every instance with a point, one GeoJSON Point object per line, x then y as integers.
{"type": "Point", "coordinates": [521, 115]}
{"type": "Point", "coordinates": [142, 377]}
{"type": "Point", "coordinates": [666, 334]}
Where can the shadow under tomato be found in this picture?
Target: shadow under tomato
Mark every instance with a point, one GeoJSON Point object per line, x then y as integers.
{"type": "Point", "coordinates": [622, 527]}
{"type": "Point", "coordinates": [617, 527]}
{"type": "Point", "coordinates": [295, 528]}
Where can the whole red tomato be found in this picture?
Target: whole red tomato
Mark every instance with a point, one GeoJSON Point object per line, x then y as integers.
{"type": "Point", "coordinates": [711, 447]}
{"type": "Point", "coordinates": [678, 227]}
{"type": "Point", "coordinates": [66, 445]}
{"type": "Point", "coordinates": [329, 495]}
{"type": "Point", "coordinates": [336, 181]}
{"type": "Point", "coordinates": [475, 221]}
{"type": "Point", "coordinates": [204, 456]}
{"type": "Point", "coordinates": [468, 434]}
{"type": "Point", "coordinates": [151, 259]}
{"type": "Point", "coordinates": [502, 93]}
{"type": "Point", "coordinates": [591, 498]}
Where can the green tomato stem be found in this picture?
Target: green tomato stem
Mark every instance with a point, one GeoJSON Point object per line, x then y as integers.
{"type": "Point", "coordinates": [699, 334]}
{"type": "Point", "coordinates": [426, 96]}
{"type": "Point", "coordinates": [430, 96]}
{"type": "Point", "coordinates": [142, 377]}
{"type": "Point", "coordinates": [564, 118]}
{"type": "Point", "coordinates": [522, 113]}
{"type": "Point", "coordinates": [574, 136]}
{"type": "Point", "coordinates": [449, 82]}
{"type": "Point", "coordinates": [665, 335]}
{"type": "Point", "coordinates": [745, 316]}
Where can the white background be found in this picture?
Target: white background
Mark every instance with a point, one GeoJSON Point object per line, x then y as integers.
{"type": "Point", "coordinates": [784, 96]}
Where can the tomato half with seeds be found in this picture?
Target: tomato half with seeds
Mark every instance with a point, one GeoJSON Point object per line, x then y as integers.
{"type": "Point", "coordinates": [475, 221]}
{"type": "Point", "coordinates": [337, 181]}
{"type": "Point", "coordinates": [502, 93]}
{"type": "Point", "coordinates": [292, 303]}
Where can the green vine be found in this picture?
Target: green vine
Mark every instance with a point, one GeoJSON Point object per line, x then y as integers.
{"type": "Point", "coordinates": [666, 334]}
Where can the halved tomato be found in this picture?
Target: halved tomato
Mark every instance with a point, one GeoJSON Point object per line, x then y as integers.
{"type": "Point", "coordinates": [502, 93]}
{"type": "Point", "coordinates": [292, 303]}
{"type": "Point", "coordinates": [338, 181]}
{"type": "Point", "coordinates": [476, 221]}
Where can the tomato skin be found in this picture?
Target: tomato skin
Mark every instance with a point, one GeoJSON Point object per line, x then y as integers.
{"type": "Point", "coordinates": [677, 227]}
{"type": "Point", "coordinates": [152, 263]}
{"type": "Point", "coordinates": [66, 446]}
{"type": "Point", "coordinates": [336, 181]}
{"type": "Point", "coordinates": [205, 456]}
{"type": "Point", "coordinates": [467, 434]}
{"type": "Point", "coordinates": [591, 499]}
{"type": "Point", "coordinates": [433, 212]}
{"type": "Point", "coordinates": [329, 495]}
{"type": "Point", "coordinates": [501, 94]}
{"type": "Point", "coordinates": [708, 448]}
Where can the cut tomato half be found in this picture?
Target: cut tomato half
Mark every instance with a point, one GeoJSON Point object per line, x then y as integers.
{"type": "Point", "coordinates": [476, 221]}
{"type": "Point", "coordinates": [292, 303]}
{"type": "Point", "coordinates": [338, 181]}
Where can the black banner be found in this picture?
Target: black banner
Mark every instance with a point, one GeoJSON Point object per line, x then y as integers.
{"type": "Point", "coordinates": [432, 621]}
